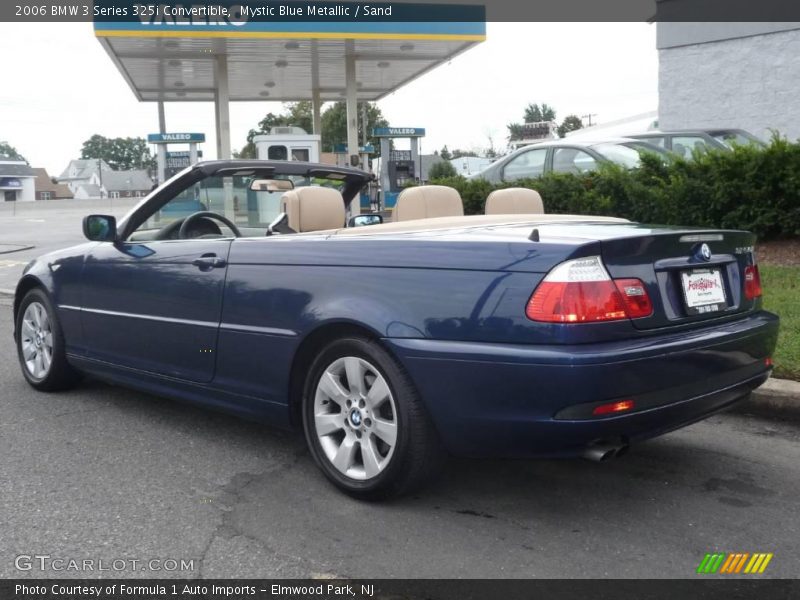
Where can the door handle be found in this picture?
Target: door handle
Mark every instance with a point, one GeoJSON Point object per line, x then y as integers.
{"type": "Point", "coordinates": [209, 261]}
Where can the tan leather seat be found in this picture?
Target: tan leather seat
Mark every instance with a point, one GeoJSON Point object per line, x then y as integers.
{"type": "Point", "coordinates": [313, 209]}
{"type": "Point", "coordinates": [514, 201]}
{"type": "Point", "coordinates": [426, 201]}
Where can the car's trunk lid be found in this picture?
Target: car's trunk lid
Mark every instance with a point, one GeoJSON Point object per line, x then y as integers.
{"type": "Point", "coordinates": [691, 275]}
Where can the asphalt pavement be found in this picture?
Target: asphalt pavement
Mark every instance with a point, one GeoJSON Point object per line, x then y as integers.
{"type": "Point", "coordinates": [29, 229]}
{"type": "Point", "coordinates": [103, 473]}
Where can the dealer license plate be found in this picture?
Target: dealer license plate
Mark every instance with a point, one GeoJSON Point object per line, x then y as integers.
{"type": "Point", "coordinates": [703, 291]}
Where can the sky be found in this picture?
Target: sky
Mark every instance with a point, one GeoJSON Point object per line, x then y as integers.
{"type": "Point", "coordinates": [59, 87]}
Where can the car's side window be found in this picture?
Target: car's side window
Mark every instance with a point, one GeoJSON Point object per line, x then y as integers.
{"type": "Point", "coordinates": [527, 164]}
{"type": "Point", "coordinates": [572, 160]}
{"type": "Point", "coordinates": [683, 145]}
{"type": "Point", "coordinates": [659, 141]}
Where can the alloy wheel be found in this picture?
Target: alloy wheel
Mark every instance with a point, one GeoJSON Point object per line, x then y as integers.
{"type": "Point", "coordinates": [355, 418]}
{"type": "Point", "coordinates": [36, 340]}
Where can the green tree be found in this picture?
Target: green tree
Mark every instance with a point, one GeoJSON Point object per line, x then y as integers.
{"type": "Point", "coordinates": [334, 125]}
{"type": "Point", "coordinates": [459, 153]}
{"type": "Point", "coordinates": [536, 114]}
{"type": "Point", "coordinates": [515, 131]}
{"type": "Point", "coordinates": [8, 150]}
{"type": "Point", "coordinates": [445, 153]}
{"type": "Point", "coordinates": [570, 123]}
{"type": "Point", "coordinates": [441, 170]}
{"type": "Point", "coordinates": [296, 114]}
{"type": "Point", "coordinates": [120, 153]}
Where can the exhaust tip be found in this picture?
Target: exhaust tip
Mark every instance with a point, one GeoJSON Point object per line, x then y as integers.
{"type": "Point", "coordinates": [603, 451]}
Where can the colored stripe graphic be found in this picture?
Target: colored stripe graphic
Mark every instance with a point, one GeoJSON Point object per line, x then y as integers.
{"type": "Point", "coordinates": [733, 562]}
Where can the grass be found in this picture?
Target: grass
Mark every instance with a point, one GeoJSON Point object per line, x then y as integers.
{"type": "Point", "coordinates": [782, 296]}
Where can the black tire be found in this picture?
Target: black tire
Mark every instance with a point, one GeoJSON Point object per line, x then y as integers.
{"type": "Point", "coordinates": [60, 375]}
{"type": "Point", "coordinates": [417, 455]}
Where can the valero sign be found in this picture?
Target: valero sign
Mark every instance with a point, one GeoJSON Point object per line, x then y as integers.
{"type": "Point", "coordinates": [398, 132]}
{"type": "Point", "coordinates": [176, 138]}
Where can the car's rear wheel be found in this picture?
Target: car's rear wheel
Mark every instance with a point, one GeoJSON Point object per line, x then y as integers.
{"type": "Point", "coordinates": [365, 423]}
{"type": "Point", "coordinates": [40, 344]}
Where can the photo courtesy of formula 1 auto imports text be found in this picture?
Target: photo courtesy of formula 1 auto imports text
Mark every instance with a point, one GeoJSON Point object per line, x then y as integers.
{"type": "Point", "coordinates": [399, 300]}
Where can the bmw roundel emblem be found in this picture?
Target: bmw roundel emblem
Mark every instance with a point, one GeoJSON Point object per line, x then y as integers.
{"type": "Point", "coordinates": [705, 252]}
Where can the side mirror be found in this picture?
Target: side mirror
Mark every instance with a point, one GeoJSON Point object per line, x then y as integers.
{"type": "Point", "coordinates": [364, 220]}
{"type": "Point", "coordinates": [100, 228]}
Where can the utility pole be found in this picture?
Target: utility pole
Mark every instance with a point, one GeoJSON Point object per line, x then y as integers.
{"type": "Point", "coordinates": [364, 123]}
{"type": "Point", "coordinates": [588, 118]}
{"type": "Point", "coordinates": [100, 175]}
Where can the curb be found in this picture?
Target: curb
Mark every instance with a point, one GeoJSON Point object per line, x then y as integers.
{"type": "Point", "coordinates": [775, 398]}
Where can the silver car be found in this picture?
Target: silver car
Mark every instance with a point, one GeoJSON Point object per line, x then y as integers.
{"type": "Point", "coordinates": [567, 156]}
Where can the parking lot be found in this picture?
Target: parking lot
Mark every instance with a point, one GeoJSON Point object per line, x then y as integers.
{"type": "Point", "coordinates": [39, 227]}
{"type": "Point", "coordinates": [104, 473]}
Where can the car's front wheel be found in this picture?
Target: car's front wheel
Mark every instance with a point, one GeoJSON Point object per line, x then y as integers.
{"type": "Point", "coordinates": [40, 344]}
{"type": "Point", "coordinates": [365, 423]}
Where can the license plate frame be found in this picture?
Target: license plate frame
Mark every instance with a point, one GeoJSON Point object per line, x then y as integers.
{"type": "Point", "coordinates": [703, 290]}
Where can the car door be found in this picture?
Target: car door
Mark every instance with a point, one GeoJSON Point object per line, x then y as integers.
{"type": "Point", "coordinates": [525, 165]}
{"type": "Point", "coordinates": [154, 304]}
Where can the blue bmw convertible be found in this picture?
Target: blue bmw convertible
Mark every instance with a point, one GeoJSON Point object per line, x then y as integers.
{"type": "Point", "coordinates": [515, 333]}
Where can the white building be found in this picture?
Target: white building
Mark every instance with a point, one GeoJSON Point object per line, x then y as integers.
{"type": "Point", "coordinates": [731, 75]}
{"type": "Point", "coordinates": [135, 183]}
{"type": "Point", "coordinates": [93, 178]}
{"type": "Point", "coordinates": [79, 172]}
{"type": "Point", "coordinates": [17, 181]}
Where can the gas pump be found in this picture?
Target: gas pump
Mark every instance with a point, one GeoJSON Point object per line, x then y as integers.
{"type": "Point", "coordinates": [398, 167]}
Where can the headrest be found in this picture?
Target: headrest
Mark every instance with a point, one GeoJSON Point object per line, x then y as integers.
{"type": "Point", "coordinates": [514, 201]}
{"type": "Point", "coordinates": [314, 208]}
{"type": "Point", "coordinates": [426, 201]}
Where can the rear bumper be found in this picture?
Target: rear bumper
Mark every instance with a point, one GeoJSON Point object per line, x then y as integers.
{"type": "Point", "coordinates": [521, 400]}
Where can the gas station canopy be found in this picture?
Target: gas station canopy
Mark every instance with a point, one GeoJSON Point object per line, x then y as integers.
{"type": "Point", "coordinates": [222, 60]}
{"type": "Point", "coordinates": [178, 64]}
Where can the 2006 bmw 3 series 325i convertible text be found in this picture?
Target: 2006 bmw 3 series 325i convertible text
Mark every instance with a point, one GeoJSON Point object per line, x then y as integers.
{"type": "Point", "coordinates": [239, 285]}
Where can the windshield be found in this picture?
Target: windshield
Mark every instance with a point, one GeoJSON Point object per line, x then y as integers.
{"type": "Point", "coordinates": [231, 197]}
{"type": "Point", "coordinates": [627, 156]}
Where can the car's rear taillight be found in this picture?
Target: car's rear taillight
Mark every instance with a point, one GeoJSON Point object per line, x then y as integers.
{"type": "Point", "coordinates": [581, 291]}
{"type": "Point", "coordinates": [637, 301]}
{"type": "Point", "coordinates": [752, 282]}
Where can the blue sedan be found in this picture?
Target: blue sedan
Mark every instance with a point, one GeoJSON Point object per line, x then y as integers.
{"type": "Point", "coordinates": [394, 345]}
